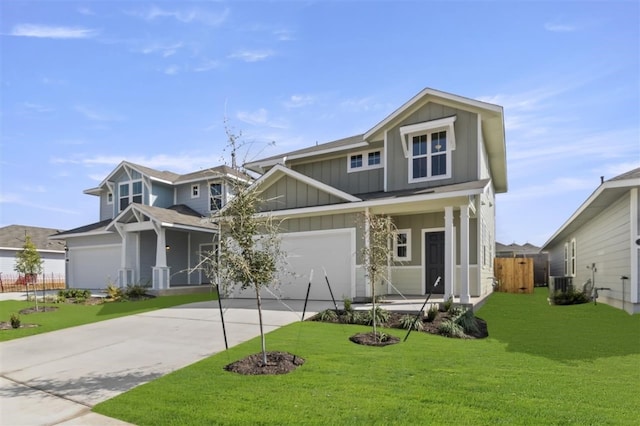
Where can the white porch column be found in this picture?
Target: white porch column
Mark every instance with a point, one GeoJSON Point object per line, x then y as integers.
{"type": "Point", "coordinates": [464, 254]}
{"type": "Point", "coordinates": [367, 286]}
{"type": "Point", "coordinates": [125, 273]}
{"type": "Point", "coordinates": [449, 255]}
{"type": "Point", "coordinates": [160, 270]}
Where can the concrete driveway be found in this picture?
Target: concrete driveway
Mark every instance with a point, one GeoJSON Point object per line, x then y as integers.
{"type": "Point", "coordinates": [55, 378]}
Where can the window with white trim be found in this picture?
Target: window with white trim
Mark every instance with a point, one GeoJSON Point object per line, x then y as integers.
{"type": "Point", "coordinates": [364, 160]}
{"type": "Point", "coordinates": [110, 198]}
{"type": "Point", "coordinates": [195, 190]}
{"type": "Point", "coordinates": [428, 147]}
{"type": "Point", "coordinates": [215, 197]}
{"type": "Point", "coordinates": [130, 192]}
{"type": "Point", "coordinates": [570, 254]}
{"type": "Point", "coordinates": [402, 245]}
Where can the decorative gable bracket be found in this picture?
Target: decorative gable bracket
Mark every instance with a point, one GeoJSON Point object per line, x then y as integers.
{"type": "Point", "coordinates": [428, 126]}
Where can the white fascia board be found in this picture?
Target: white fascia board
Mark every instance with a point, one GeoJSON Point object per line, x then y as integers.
{"type": "Point", "coordinates": [594, 196]}
{"type": "Point", "coordinates": [79, 234]}
{"type": "Point", "coordinates": [38, 250]}
{"type": "Point", "coordinates": [437, 95]}
{"type": "Point", "coordinates": [279, 168]}
{"type": "Point", "coordinates": [188, 227]}
{"type": "Point", "coordinates": [276, 161]}
{"type": "Point", "coordinates": [356, 206]}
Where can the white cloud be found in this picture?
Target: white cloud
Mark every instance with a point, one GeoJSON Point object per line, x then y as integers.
{"type": "Point", "coordinates": [260, 117]}
{"type": "Point", "coordinates": [297, 101]}
{"type": "Point", "coordinates": [206, 66]}
{"type": "Point", "coordinates": [165, 50]}
{"type": "Point", "coordinates": [86, 11]}
{"type": "Point", "coordinates": [10, 198]}
{"type": "Point", "coordinates": [559, 28]}
{"type": "Point", "coordinates": [45, 31]}
{"type": "Point", "coordinates": [360, 105]}
{"type": "Point", "coordinates": [252, 55]}
{"type": "Point", "coordinates": [95, 115]}
{"type": "Point", "coordinates": [284, 35]}
{"type": "Point", "coordinates": [185, 15]}
{"type": "Point", "coordinates": [33, 107]}
{"type": "Point", "coordinates": [172, 70]}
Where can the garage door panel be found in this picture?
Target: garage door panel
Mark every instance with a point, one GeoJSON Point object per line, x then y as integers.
{"type": "Point", "coordinates": [93, 267]}
{"type": "Point", "coordinates": [332, 251]}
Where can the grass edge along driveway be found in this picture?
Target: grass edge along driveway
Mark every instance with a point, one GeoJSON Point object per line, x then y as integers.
{"type": "Point", "coordinates": [71, 315]}
{"type": "Point", "coordinates": [540, 365]}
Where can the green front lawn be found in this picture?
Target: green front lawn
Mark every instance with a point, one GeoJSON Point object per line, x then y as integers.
{"type": "Point", "coordinates": [541, 365]}
{"type": "Point", "coordinates": [70, 315]}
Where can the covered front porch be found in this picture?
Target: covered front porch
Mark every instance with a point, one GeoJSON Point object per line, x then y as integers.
{"type": "Point", "coordinates": [163, 247]}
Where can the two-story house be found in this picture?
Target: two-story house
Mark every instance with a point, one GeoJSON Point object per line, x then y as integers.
{"type": "Point", "coordinates": [434, 166]}
{"type": "Point", "coordinates": [153, 228]}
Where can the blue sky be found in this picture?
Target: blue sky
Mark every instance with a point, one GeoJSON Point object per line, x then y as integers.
{"type": "Point", "coordinates": [85, 85]}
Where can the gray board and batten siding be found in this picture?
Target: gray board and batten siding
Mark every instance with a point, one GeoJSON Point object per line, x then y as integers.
{"type": "Point", "coordinates": [332, 170]}
{"type": "Point", "coordinates": [464, 158]}
{"type": "Point", "coordinates": [290, 193]}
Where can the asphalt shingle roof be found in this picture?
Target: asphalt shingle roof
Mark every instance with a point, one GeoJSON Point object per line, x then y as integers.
{"type": "Point", "coordinates": [13, 236]}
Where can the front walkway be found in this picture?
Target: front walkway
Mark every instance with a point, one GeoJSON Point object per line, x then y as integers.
{"type": "Point", "coordinates": [55, 378]}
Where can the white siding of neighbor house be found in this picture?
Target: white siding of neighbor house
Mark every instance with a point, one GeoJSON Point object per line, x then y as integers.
{"type": "Point", "coordinates": [604, 240]}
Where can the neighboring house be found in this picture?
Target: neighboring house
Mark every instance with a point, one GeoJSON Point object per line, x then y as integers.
{"type": "Point", "coordinates": [434, 166]}
{"type": "Point", "coordinates": [529, 251]}
{"type": "Point", "coordinates": [12, 239]}
{"type": "Point", "coordinates": [153, 228]}
{"type": "Point", "coordinates": [601, 242]}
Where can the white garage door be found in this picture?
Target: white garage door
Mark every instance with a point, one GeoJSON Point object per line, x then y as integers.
{"type": "Point", "coordinates": [93, 267]}
{"type": "Point", "coordinates": [333, 251]}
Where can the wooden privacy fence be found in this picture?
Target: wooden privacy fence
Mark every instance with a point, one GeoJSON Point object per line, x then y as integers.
{"type": "Point", "coordinates": [514, 274]}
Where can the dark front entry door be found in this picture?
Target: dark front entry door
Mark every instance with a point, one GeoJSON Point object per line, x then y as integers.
{"type": "Point", "coordinates": [434, 261]}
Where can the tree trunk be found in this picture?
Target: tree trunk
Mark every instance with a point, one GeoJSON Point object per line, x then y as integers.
{"type": "Point", "coordinates": [373, 304]}
{"type": "Point", "coordinates": [262, 339]}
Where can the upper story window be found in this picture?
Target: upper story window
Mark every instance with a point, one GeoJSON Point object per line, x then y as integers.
{"type": "Point", "coordinates": [195, 190]}
{"type": "Point", "coordinates": [428, 147]}
{"type": "Point", "coordinates": [130, 192]}
{"type": "Point", "coordinates": [110, 198]}
{"type": "Point", "coordinates": [365, 160]}
{"type": "Point", "coordinates": [215, 197]}
{"type": "Point", "coordinates": [402, 245]}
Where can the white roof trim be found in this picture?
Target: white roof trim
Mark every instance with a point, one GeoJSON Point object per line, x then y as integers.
{"type": "Point", "coordinates": [437, 94]}
{"type": "Point", "coordinates": [624, 183]}
{"type": "Point", "coordinates": [372, 203]}
{"type": "Point", "coordinates": [305, 179]}
{"type": "Point", "coordinates": [79, 234]}
{"type": "Point", "coordinates": [38, 250]}
{"type": "Point", "coordinates": [275, 161]}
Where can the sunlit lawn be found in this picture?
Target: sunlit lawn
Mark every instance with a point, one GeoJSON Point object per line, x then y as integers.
{"type": "Point", "coordinates": [541, 365]}
{"type": "Point", "coordinates": [70, 315]}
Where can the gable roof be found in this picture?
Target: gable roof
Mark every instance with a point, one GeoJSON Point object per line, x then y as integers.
{"type": "Point", "coordinates": [13, 237]}
{"type": "Point", "coordinates": [492, 123]}
{"type": "Point", "coordinates": [176, 216]}
{"type": "Point", "coordinates": [172, 178]}
{"type": "Point", "coordinates": [278, 171]}
{"type": "Point", "coordinates": [606, 194]}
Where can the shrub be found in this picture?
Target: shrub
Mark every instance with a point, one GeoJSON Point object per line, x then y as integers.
{"type": "Point", "coordinates": [381, 315]}
{"type": "Point", "coordinates": [467, 321]}
{"type": "Point", "coordinates": [114, 293]}
{"type": "Point", "coordinates": [411, 322]}
{"type": "Point", "coordinates": [77, 294]}
{"type": "Point", "coordinates": [448, 304]}
{"type": "Point", "coordinates": [347, 304]}
{"type": "Point", "coordinates": [432, 313]}
{"type": "Point", "coordinates": [571, 297]}
{"type": "Point", "coordinates": [328, 315]}
{"type": "Point", "coordinates": [351, 317]}
{"type": "Point", "coordinates": [14, 320]}
{"type": "Point", "coordinates": [450, 329]}
{"type": "Point", "coordinates": [135, 291]}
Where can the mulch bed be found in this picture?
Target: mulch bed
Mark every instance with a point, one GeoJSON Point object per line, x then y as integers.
{"type": "Point", "coordinates": [374, 339]}
{"type": "Point", "coordinates": [33, 310]}
{"type": "Point", "coordinates": [277, 363]}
